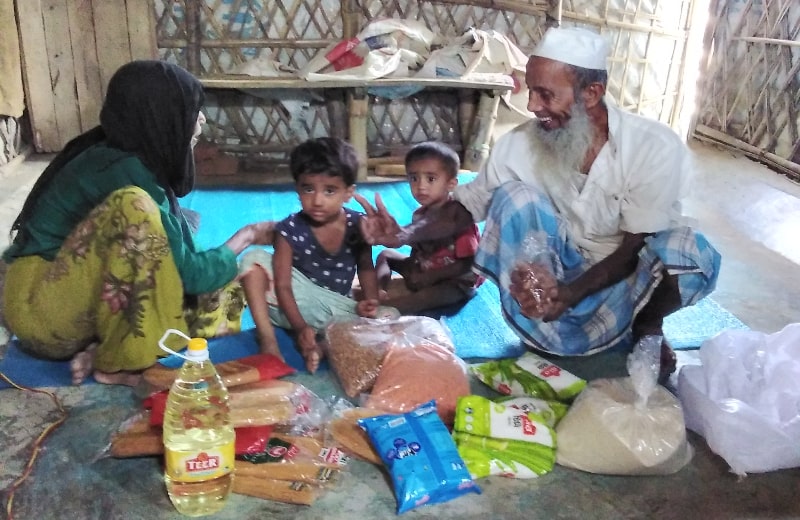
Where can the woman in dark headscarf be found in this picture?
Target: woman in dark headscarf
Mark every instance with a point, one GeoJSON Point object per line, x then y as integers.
{"type": "Point", "coordinates": [102, 260]}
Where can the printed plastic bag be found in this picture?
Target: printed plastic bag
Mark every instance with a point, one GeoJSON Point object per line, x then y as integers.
{"type": "Point", "coordinates": [513, 438]}
{"type": "Point", "coordinates": [745, 398]}
{"type": "Point", "coordinates": [533, 275]}
{"type": "Point", "coordinates": [356, 348]}
{"type": "Point", "coordinates": [626, 425]}
{"type": "Point", "coordinates": [487, 456]}
{"type": "Point", "coordinates": [421, 456]}
{"type": "Point", "coordinates": [529, 375]}
{"type": "Point", "coordinates": [417, 372]}
{"type": "Point", "coordinates": [384, 47]}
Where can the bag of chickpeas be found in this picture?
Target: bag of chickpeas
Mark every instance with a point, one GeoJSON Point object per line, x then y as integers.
{"type": "Point", "coordinates": [356, 348]}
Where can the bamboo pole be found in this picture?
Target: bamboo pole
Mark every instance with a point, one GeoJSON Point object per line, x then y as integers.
{"type": "Point", "coordinates": [771, 41]}
{"type": "Point", "coordinates": [539, 8]}
{"type": "Point", "coordinates": [250, 42]}
{"type": "Point", "coordinates": [573, 16]}
{"type": "Point", "coordinates": [358, 106]}
{"type": "Point", "coordinates": [193, 33]}
{"type": "Point", "coordinates": [466, 113]}
{"type": "Point", "coordinates": [349, 19]}
{"type": "Point", "coordinates": [477, 150]}
{"type": "Point", "coordinates": [747, 148]}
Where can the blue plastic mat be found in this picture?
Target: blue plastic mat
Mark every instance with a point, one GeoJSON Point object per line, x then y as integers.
{"type": "Point", "coordinates": [478, 328]}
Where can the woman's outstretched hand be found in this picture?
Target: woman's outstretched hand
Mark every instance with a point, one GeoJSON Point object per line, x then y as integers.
{"type": "Point", "coordinates": [259, 233]}
{"type": "Point", "coordinates": [263, 233]}
{"type": "Point", "coordinates": [379, 227]}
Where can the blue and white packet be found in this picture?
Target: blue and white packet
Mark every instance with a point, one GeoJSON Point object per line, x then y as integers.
{"type": "Point", "coordinates": [421, 456]}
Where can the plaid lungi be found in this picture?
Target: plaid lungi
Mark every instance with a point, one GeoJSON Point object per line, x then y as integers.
{"type": "Point", "coordinates": [602, 320]}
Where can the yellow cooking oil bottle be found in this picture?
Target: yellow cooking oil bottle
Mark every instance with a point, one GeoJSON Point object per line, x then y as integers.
{"type": "Point", "coordinates": [198, 434]}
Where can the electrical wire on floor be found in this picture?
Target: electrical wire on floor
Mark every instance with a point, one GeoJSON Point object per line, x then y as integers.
{"type": "Point", "coordinates": [37, 444]}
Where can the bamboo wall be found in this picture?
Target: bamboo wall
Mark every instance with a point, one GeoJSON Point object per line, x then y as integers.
{"type": "Point", "coordinates": [749, 98]}
{"type": "Point", "coordinates": [70, 49]}
{"type": "Point", "coordinates": [219, 36]}
{"type": "Point", "coordinates": [751, 92]}
{"type": "Point", "coordinates": [648, 51]}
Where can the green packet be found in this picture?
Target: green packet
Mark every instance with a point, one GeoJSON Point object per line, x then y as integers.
{"type": "Point", "coordinates": [486, 456]}
{"type": "Point", "coordinates": [529, 375]}
{"type": "Point", "coordinates": [478, 415]}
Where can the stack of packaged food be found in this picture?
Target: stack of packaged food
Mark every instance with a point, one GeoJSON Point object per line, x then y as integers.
{"type": "Point", "coordinates": [281, 451]}
{"type": "Point", "coordinates": [514, 435]}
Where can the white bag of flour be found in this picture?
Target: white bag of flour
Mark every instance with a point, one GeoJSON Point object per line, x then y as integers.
{"type": "Point", "coordinates": [627, 425]}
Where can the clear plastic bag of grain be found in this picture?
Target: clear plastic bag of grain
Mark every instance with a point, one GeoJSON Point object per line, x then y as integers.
{"type": "Point", "coordinates": [356, 348]}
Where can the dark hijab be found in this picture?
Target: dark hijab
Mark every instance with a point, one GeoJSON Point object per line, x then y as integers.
{"type": "Point", "coordinates": [150, 110]}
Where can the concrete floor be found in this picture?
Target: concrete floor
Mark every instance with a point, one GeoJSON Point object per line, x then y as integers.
{"type": "Point", "coordinates": [749, 213]}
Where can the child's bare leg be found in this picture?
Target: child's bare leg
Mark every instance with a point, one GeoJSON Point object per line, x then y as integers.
{"type": "Point", "coordinates": [413, 302]}
{"type": "Point", "coordinates": [383, 271]}
{"type": "Point", "coordinates": [256, 283]}
{"type": "Point", "coordinates": [385, 264]}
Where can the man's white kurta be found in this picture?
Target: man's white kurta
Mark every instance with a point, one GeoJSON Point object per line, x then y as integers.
{"type": "Point", "coordinates": [635, 184]}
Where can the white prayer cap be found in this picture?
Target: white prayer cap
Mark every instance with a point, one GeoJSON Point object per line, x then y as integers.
{"type": "Point", "coordinates": [575, 46]}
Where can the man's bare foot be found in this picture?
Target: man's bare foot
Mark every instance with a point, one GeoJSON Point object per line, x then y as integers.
{"type": "Point", "coordinates": [82, 364]}
{"type": "Point", "coordinates": [669, 361]}
{"type": "Point", "coordinates": [118, 378]}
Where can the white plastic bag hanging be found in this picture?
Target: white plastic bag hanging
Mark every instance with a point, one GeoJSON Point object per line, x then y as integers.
{"type": "Point", "coordinates": [745, 398]}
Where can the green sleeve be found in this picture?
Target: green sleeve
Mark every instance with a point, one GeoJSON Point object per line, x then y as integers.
{"type": "Point", "coordinates": [200, 271]}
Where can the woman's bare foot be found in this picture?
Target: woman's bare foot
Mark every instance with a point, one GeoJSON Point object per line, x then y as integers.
{"type": "Point", "coordinates": [82, 364]}
{"type": "Point", "coordinates": [118, 378]}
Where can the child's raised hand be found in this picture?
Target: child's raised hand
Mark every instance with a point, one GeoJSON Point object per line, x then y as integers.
{"type": "Point", "coordinates": [367, 308]}
{"type": "Point", "coordinates": [378, 226]}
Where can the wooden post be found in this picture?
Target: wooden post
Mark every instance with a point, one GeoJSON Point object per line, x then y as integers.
{"type": "Point", "coordinates": [350, 20]}
{"type": "Point", "coordinates": [195, 39]}
{"type": "Point", "coordinates": [466, 113]}
{"type": "Point", "coordinates": [358, 105]}
{"type": "Point", "coordinates": [337, 118]}
{"type": "Point", "coordinates": [477, 151]}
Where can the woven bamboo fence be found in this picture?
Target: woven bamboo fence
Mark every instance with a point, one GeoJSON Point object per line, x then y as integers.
{"type": "Point", "coordinates": [646, 75]}
{"type": "Point", "coordinates": [211, 37]}
{"type": "Point", "coordinates": [648, 51]}
{"type": "Point", "coordinates": [11, 145]}
{"type": "Point", "coordinates": [751, 89]}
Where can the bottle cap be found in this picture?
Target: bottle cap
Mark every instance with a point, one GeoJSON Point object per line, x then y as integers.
{"type": "Point", "coordinates": [197, 349]}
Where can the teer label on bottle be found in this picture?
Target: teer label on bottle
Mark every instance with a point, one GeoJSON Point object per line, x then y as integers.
{"type": "Point", "coordinates": [192, 466]}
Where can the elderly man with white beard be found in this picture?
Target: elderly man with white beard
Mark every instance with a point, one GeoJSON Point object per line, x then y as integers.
{"type": "Point", "coordinates": [601, 188]}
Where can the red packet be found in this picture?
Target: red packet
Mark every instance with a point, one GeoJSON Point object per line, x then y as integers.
{"type": "Point", "coordinates": [342, 56]}
{"type": "Point", "coordinates": [253, 368]}
{"type": "Point", "coordinates": [252, 439]}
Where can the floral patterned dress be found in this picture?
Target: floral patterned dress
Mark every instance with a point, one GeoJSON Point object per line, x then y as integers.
{"type": "Point", "coordinates": [114, 282]}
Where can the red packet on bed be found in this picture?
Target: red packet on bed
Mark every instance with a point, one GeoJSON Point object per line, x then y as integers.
{"type": "Point", "coordinates": [253, 368]}
{"type": "Point", "coordinates": [235, 372]}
